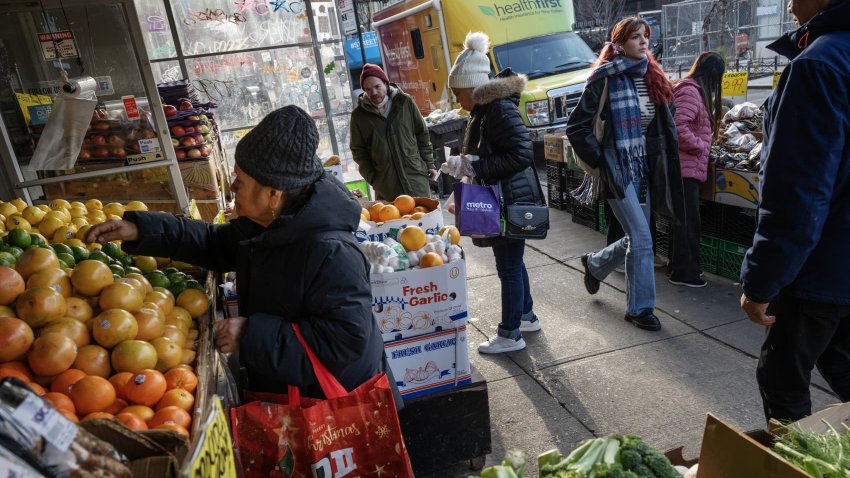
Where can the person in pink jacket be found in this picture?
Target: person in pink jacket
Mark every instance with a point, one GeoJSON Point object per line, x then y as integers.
{"type": "Point", "coordinates": [699, 112]}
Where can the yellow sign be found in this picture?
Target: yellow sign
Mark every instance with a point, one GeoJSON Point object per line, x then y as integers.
{"type": "Point", "coordinates": [735, 83]}
{"type": "Point", "coordinates": [26, 100]}
{"type": "Point", "coordinates": [193, 211]}
{"type": "Point", "coordinates": [240, 133]}
{"type": "Point", "coordinates": [776, 75]}
{"type": "Point", "coordinates": [220, 218]}
{"type": "Point", "coordinates": [214, 455]}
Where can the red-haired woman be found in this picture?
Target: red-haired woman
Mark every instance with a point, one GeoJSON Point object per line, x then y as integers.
{"type": "Point", "coordinates": [637, 159]}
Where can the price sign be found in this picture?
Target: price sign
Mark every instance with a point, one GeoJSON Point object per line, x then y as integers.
{"type": "Point", "coordinates": [130, 107]}
{"type": "Point", "coordinates": [735, 83]}
{"type": "Point", "coordinates": [214, 455]}
{"type": "Point", "coordinates": [776, 75]}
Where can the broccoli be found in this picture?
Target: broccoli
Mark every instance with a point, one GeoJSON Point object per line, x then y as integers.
{"type": "Point", "coordinates": [630, 458]}
{"type": "Point", "coordinates": [660, 465]}
{"type": "Point", "coordinates": [612, 471]}
{"type": "Point", "coordinates": [643, 471]}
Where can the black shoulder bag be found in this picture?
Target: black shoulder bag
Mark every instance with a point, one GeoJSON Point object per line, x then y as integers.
{"type": "Point", "coordinates": [526, 220]}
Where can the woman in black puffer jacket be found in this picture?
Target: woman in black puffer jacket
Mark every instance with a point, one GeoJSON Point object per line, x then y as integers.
{"type": "Point", "coordinates": [497, 150]}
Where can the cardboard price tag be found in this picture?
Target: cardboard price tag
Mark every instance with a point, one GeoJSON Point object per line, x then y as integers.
{"type": "Point", "coordinates": [214, 456]}
{"type": "Point", "coordinates": [735, 83]}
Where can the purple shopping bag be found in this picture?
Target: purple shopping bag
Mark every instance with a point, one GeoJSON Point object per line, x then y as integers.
{"type": "Point", "coordinates": [478, 211]}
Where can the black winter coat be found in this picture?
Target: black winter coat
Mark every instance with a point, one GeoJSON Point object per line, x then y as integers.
{"type": "Point", "coordinates": [304, 268]}
{"type": "Point", "coordinates": [497, 134]}
{"type": "Point", "coordinates": [662, 152]}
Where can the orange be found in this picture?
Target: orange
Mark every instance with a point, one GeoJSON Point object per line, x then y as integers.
{"type": "Point", "coordinates": [175, 428]}
{"type": "Point", "coordinates": [60, 401]}
{"type": "Point", "coordinates": [168, 353]}
{"type": "Point", "coordinates": [16, 337]}
{"type": "Point", "coordinates": [38, 389]}
{"type": "Point", "coordinates": [430, 259]}
{"type": "Point", "coordinates": [417, 216]}
{"type": "Point", "coordinates": [118, 381]}
{"type": "Point", "coordinates": [78, 308]}
{"type": "Point", "coordinates": [388, 213]}
{"type": "Point", "coordinates": [375, 211]}
{"type": "Point", "coordinates": [404, 204]}
{"type": "Point", "coordinates": [118, 405]}
{"type": "Point", "coordinates": [19, 367]}
{"type": "Point", "coordinates": [11, 285]}
{"type": "Point", "coordinates": [13, 373]}
{"type": "Point", "coordinates": [454, 234]}
{"type": "Point", "coordinates": [131, 421]}
{"type": "Point", "coordinates": [150, 324]}
{"type": "Point", "coordinates": [62, 383]}
{"type": "Point", "coordinates": [175, 334]}
{"type": "Point", "coordinates": [141, 411]}
{"type": "Point", "coordinates": [121, 295]}
{"type": "Point", "coordinates": [90, 277]}
{"type": "Point", "coordinates": [194, 301]}
{"type": "Point", "coordinates": [93, 360]}
{"type": "Point", "coordinates": [92, 394]}
{"type": "Point", "coordinates": [412, 238]}
{"type": "Point", "coordinates": [133, 356]}
{"type": "Point", "coordinates": [56, 279]}
{"type": "Point", "coordinates": [160, 300]}
{"type": "Point", "coordinates": [96, 415]}
{"type": "Point", "coordinates": [181, 378]}
{"type": "Point", "coordinates": [145, 282]}
{"type": "Point", "coordinates": [52, 354]}
{"type": "Point", "coordinates": [170, 414]}
{"type": "Point", "coordinates": [421, 209]}
{"type": "Point", "coordinates": [70, 416]}
{"type": "Point", "coordinates": [40, 305]}
{"type": "Point", "coordinates": [114, 326]}
{"type": "Point", "coordinates": [364, 215]}
{"type": "Point", "coordinates": [71, 328]}
{"type": "Point", "coordinates": [177, 397]}
{"type": "Point", "coordinates": [36, 259]}
{"type": "Point", "coordinates": [145, 388]}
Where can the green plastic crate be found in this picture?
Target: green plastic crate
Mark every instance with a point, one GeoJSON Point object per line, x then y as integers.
{"type": "Point", "coordinates": [733, 247]}
{"type": "Point", "coordinates": [729, 265]}
{"type": "Point", "coordinates": [603, 224]}
{"type": "Point", "coordinates": [709, 251]}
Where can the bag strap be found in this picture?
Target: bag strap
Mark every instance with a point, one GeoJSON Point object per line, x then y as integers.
{"type": "Point", "coordinates": [330, 385]}
{"type": "Point", "coordinates": [602, 100]}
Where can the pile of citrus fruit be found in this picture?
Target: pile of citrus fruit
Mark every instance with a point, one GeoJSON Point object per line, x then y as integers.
{"type": "Point", "coordinates": [99, 333]}
{"type": "Point", "coordinates": [403, 207]}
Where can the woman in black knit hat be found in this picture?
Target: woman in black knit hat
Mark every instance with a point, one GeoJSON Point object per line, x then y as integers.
{"type": "Point", "coordinates": [295, 257]}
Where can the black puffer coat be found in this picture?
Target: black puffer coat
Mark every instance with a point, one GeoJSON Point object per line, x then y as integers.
{"type": "Point", "coordinates": [497, 134]}
{"type": "Point", "coordinates": [662, 152]}
{"type": "Point", "coordinates": [304, 268]}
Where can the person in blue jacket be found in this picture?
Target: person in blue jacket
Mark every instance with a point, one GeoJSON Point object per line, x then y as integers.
{"type": "Point", "coordinates": [795, 276]}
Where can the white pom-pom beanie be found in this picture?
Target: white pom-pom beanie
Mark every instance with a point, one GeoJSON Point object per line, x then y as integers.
{"type": "Point", "coordinates": [472, 66]}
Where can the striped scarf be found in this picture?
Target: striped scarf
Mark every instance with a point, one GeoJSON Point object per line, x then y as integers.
{"type": "Point", "coordinates": [625, 117]}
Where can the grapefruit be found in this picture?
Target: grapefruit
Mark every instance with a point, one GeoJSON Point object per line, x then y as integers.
{"type": "Point", "coordinates": [182, 314]}
{"type": "Point", "coordinates": [150, 324]}
{"type": "Point", "coordinates": [52, 354]}
{"type": "Point", "coordinates": [142, 279]}
{"type": "Point", "coordinates": [121, 295]}
{"type": "Point", "coordinates": [78, 309]}
{"type": "Point", "coordinates": [114, 326]}
{"type": "Point", "coordinates": [35, 260]}
{"type": "Point", "coordinates": [71, 328]}
{"type": "Point", "coordinates": [16, 337]}
{"type": "Point", "coordinates": [194, 301]}
{"type": "Point", "coordinates": [168, 353]}
{"type": "Point", "coordinates": [90, 277]}
{"type": "Point", "coordinates": [412, 238]}
{"type": "Point", "coordinates": [11, 285]}
{"type": "Point", "coordinates": [40, 305]}
{"type": "Point", "coordinates": [93, 360]}
{"type": "Point", "coordinates": [56, 279]}
{"type": "Point", "coordinates": [133, 356]}
{"type": "Point", "coordinates": [161, 300]}
{"type": "Point", "coordinates": [175, 334]}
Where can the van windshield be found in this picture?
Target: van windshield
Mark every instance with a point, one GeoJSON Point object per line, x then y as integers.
{"type": "Point", "coordinates": [547, 55]}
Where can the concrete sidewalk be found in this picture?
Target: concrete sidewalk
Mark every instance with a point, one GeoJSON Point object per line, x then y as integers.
{"type": "Point", "coordinates": [590, 373]}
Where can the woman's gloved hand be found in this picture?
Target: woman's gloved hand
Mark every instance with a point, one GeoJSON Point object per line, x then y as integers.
{"type": "Point", "coordinates": [459, 166]}
{"type": "Point", "coordinates": [466, 168]}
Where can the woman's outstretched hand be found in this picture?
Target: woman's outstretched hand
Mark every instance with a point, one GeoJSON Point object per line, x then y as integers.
{"type": "Point", "coordinates": [114, 230]}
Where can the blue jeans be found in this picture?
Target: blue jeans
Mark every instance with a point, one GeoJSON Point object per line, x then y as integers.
{"type": "Point", "coordinates": [516, 290]}
{"type": "Point", "coordinates": [635, 249]}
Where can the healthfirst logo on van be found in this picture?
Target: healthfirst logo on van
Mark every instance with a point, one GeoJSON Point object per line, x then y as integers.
{"type": "Point", "coordinates": [519, 8]}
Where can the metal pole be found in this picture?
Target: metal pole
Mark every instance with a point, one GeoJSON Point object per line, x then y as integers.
{"type": "Point", "coordinates": [320, 71]}
{"type": "Point", "coordinates": [359, 33]}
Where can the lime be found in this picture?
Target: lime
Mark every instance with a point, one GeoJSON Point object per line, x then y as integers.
{"type": "Point", "coordinates": [158, 279]}
{"type": "Point", "coordinates": [16, 251]}
{"type": "Point", "coordinates": [175, 277]}
{"type": "Point", "coordinates": [46, 246]}
{"type": "Point", "coordinates": [37, 240]}
{"type": "Point", "coordinates": [116, 277]}
{"type": "Point", "coordinates": [100, 256]}
{"type": "Point", "coordinates": [117, 269]}
{"type": "Point", "coordinates": [19, 238]}
{"type": "Point", "coordinates": [126, 261]}
{"type": "Point", "coordinates": [62, 264]}
{"type": "Point", "coordinates": [193, 284]}
{"type": "Point", "coordinates": [3, 246]}
{"type": "Point", "coordinates": [171, 270]}
{"type": "Point", "coordinates": [80, 253]}
{"type": "Point", "coordinates": [112, 250]}
{"type": "Point", "coordinates": [67, 259]}
{"type": "Point", "coordinates": [132, 270]}
{"type": "Point", "coordinates": [7, 259]}
{"type": "Point", "coordinates": [62, 248]}
{"type": "Point", "coordinates": [177, 288]}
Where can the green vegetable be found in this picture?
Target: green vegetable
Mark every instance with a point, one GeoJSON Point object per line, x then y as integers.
{"type": "Point", "coordinates": [819, 455]}
{"type": "Point", "coordinates": [498, 471]}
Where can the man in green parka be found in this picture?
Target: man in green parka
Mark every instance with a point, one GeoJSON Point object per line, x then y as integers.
{"type": "Point", "coordinates": [389, 139]}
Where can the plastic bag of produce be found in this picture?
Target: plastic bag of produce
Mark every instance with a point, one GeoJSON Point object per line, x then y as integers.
{"type": "Point", "coordinates": [348, 434]}
{"type": "Point", "coordinates": [62, 138]}
{"type": "Point", "coordinates": [741, 112]}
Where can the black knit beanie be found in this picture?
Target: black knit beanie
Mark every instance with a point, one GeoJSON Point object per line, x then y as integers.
{"type": "Point", "coordinates": [280, 152]}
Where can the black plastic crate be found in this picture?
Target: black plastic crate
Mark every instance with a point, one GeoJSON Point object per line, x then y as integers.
{"type": "Point", "coordinates": [711, 218]}
{"type": "Point", "coordinates": [739, 225]}
{"type": "Point", "coordinates": [557, 197]}
{"type": "Point", "coordinates": [586, 215]}
{"type": "Point", "coordinates": [663, 236]}
{"type": "Point", "coordinates": [556, 173]}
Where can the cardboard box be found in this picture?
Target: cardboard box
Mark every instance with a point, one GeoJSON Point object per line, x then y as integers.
{"type": "Point", "coordinates": [420, 301]}
{"type": "Point", "coordinates": [429, 363]}
{"type": "Point", "coordinates": [431, 222]}
{"type": "Point", "coordinates": [553, 147]}
{"type": "Point", "coordinates": [736, 188]}
{"type": "Point", "coordinates": [336, 171]}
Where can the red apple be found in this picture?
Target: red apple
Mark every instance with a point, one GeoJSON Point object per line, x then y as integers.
{"type": "Point", "coordinates": [117, 152]}
{"type": "Point", "coordinates": [100, 152]}
{"type": "Point", "coordinates": [178, 130]}
{"type": "Point", "coordinates": [187, 141]}
{"type": "Point", "coordinates": [204, 149]}
{"type": "Point", "coordinates": [194, 153]}
{"type": "Point", "coordinates": [199, 139]}
{"type": "Point", "coordinates": [192, 118]}
{"type": "Point", "coordinates": [189, 129]}
{"type": "Point", "coordinates": [169, 110]}
{"type": "Point", "coordinates": [185, 105]}
{"type": "Point", "coordinates": [84, 154]}
{"type": "Point", "coordinates": [180, 154]}
{"type": "Point", "coordinates": [115, 140]}
{"type": "Point", "coordinates": [97, 139]}
{"type": "Point", "coordinates": [101, 125]}
{"type": "Point", "coordinates": [87, 140]}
